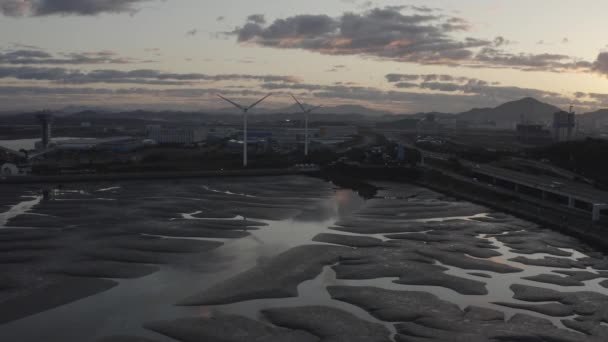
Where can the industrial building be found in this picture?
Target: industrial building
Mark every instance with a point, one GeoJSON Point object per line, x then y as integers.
{"type": "Point", "coordinates": [176, 136]}
{"type": "Point", "coordinates": [86, 154]}
{"type": "Point", "coordinates": [428, 126]}
{"type": "Point", "coordinates": [222, 132]}
{"type": "Point", "coordinates": [255, 136]}
{"type": "Point", "coordinates": [114, 144]}
{"type": "Point", "coordinates": [533, 134]}
{"type": "Point", "coordinates": [564, 124]}
{"type": "Point", "coordinates": [337, 131]}
{"type": "Point", "coordinates": [12, 163]}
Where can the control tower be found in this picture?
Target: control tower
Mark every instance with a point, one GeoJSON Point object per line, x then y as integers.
{"type": "Point", "coordinates": [45, 118]}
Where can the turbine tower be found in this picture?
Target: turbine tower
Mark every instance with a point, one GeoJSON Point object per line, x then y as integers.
{"type": "Point", "coordinates": [245, 110]}
{"type": "Point", "coordinates": [305, 112]}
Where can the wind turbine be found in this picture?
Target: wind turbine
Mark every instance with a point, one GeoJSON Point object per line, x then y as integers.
{"type": "Point", "coordinates": [305, 112]}
{"type": "Point", "coordinates": [245, 110]}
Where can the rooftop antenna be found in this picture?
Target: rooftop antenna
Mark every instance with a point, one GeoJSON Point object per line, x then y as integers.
{"type": "Point", "coordinates": [245, 110]}
{"type": "Point", "coordinates": [305, 112]}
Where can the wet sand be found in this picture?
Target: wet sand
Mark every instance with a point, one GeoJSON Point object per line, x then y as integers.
{"type": "Point", "coordinates": [287, 258]}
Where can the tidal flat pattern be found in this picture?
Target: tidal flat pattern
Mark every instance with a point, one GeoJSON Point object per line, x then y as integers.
{"type": "Point", "coordinates": [287, 259]}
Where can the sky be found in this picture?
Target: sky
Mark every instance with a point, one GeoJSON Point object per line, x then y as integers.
{"type": "Point", "coordinates": [398, 56]}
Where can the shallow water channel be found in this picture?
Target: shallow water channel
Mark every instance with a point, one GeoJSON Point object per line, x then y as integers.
{"type": "Point", "coordinates": [123, 309]}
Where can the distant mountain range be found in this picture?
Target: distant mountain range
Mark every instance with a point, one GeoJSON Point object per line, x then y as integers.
{"type": "Point", "coordinates": [509, 114]}
{"type": "Point", "coordinates": [529, 109]}
{"type": "Point", "coordinates": [506, 115]}
{"type": "Point", "coordinates": [295, 109]}
{"type": "Point", "coordinates": [600, 115]}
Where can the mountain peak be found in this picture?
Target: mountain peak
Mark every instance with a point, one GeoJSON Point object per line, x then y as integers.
{"type": "Point", "coordinates": [525, 101]}
{"type": "Point", "coordinates": [509, 114]}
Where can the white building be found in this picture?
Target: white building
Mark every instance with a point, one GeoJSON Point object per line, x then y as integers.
{"type": "Point", "coordinates": [9, 169]}
{"type": "Point", "coordinates": [219, 133]}
{"type": "Point", "coordinates": [182, 136]}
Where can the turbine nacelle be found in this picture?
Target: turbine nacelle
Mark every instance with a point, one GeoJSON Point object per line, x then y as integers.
{"type": "Point", "coordinates": [245, 109]}
{"type": "Point", "coordinates": [304, 110]}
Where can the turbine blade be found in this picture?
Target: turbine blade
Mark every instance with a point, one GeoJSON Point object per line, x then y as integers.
{"type": "Point", "coordinates": [313, 109]}
{"type": "Point", "coordinates": [231, 102]}
{"type": "Point", "coordinates": [262, 99]}
{"type": "Point", "coordinates": [298, 102]}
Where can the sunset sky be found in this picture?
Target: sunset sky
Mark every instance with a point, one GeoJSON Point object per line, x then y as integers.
{"type": "Point", "coordinates": [401, 56]}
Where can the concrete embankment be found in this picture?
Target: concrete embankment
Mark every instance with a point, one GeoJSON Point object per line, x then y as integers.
{"type": "Point", "coordinates": [357, 178]}
{"type": "Point", "coordinates": [567, 221]}
{"type": "Point", "coordinates": [571, 222]}
{"type": "Point", "coordinates": [77, 178]}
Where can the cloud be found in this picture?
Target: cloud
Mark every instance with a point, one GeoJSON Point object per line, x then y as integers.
{"type": "Point", "coordinates": [20, 8]}
{"type": "Point", "coordinates": [35, 97]}
{"type": "Point", "coordinates": [360, 4]}
{"type": "Point", "coordinates": [393, 78]}
{"type": "Point", "coordinates": [220, 18]}
{"type": "Point", "coordinates": [192, 32]}
{"type": "Point", "coordinates": [257, 19]}
{"type": "Point", "coordinates": [401, 77]}
{"type": "Point", "coordinates": [15, 8]}
{"type": "Point", "coordinates": [179, 93]}
{"type": "Point", "coordinates": [492, 57]}
{"type": "Point", "coordinates": [400, 33]}
{"type": "Point", "coordinates": [438, 95]}
{"type": "Point", "coordinates": [423, 9]}
{"type": "Point", "coordinates": [39, 57]}
{"type": "Point", "coordinates": [590, 101]}
{"type": "Point", "coordinates": [378, 32]}
{"type": "Point", "coordinates": [441, 83]}
{"type": "Point", "coordinates": [337, 68]}
{"type": "Point", "coordinates": [601, 63]}
{"type": "Point", "coordinates": [403, 85]}
{"type": "Point", "coordinates": [25, 46]}
{"type": "Point", "coordinates": [141, 76]}
{"type": "Point", "coordinates": [500, 41]}
{"type": "Point", "coordinates": [426, 92]}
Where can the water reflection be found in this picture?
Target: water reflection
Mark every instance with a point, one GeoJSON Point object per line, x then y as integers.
{"type": "Point", "coordinates": [310, 293]}
{"type": "Point", "coordinates": [19, 209]}
{"type": "Point", "coordinates": [123, 309]}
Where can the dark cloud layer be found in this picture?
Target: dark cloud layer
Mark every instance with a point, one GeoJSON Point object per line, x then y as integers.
{"type": "Point", "coordinates": [447, 97]}
{"type": "Point", "coordinates": [404, 34]}
{"type": "Point", "coordinates": [470, 90]}
{"type": "Point", "coordinates": [193, 92]}
{"type": "Point", "coordinates": [601, 64]}
{"type": "Point", "coordinates": [257, 19]}
{"type": "Point", "coordinates": [19, 8]}
{"type": "Point", "coordinates": [142, 76]}
{"type": "Point", "coordinates": [39, 57]}
{"type": "Point", "coordinates": [467, 86]}
{"type": "Point", "coordinates": [381, 32]}
{"type": "Point", "coordinates": [423, 95]}
{"type": "Point", "coordinates": [393, 78]}
{"type": "Point", "coordinates": [492, 57]}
